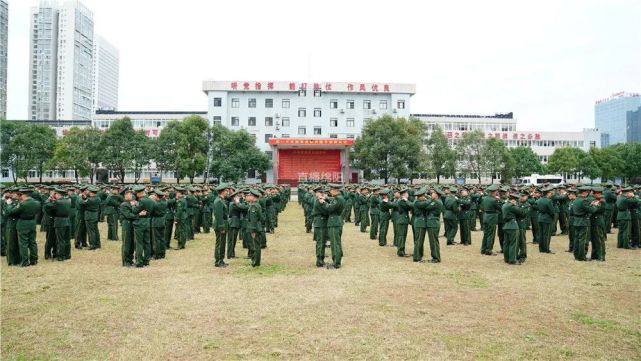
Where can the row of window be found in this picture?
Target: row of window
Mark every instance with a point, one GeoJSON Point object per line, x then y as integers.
{"type": "Point", "coordinates": [284, 122]}
{"type": "Point", "coordinates": [462, 126]}
{"type": "Point", "coordinates": [333, 104]}
{"type": "Point", "coordinates": [537, 143]}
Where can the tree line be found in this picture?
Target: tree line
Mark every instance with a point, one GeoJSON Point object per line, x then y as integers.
{"type": "Point", "coordinates": [401, 148]}
{"type": "Point", "coordinates": [189, 148]}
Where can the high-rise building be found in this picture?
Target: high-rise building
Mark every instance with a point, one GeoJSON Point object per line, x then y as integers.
{"type": "Point", "coordinates": [75, 62]}
{"type": "Point", "coordinates": [61, 61]}
{"type": "Point", "coordinates": [105, 78]}
{"type": "Point", "coordinates": [610, 116]}
{"type": "Point", "coordinates": [4, 41]}
{"type": "Point", "coordinates": [43, 61]}
{"type": "Point", "coordinates": [633, 126]}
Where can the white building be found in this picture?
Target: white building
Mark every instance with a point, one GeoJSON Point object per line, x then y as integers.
{"type": "Point", "coordinates": [106, 75]}
{"type": "Point", "coordinates": [4, 41]}
{"type": "Point", "coordinates": [43, 61]}
{"type": "Point", "coordinates": [75, 62]}
{"type": "Point", "coordinates": [151, 122]}
{"type": "Point", "coordinates": [61, 61]}
{"type": "Point", "coordinates": [324, 110]}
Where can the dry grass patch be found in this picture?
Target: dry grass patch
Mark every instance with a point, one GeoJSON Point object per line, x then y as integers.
{"type": "Point", "coordinates": [378, 306]}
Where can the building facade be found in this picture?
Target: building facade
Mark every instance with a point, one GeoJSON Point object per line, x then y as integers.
{"type": "Point", "coordinates": [151, 122]}
{"type": "Point", "coordinates": [61, 61]}
{"type": "Point", "coordinates": [610, 116]}
{"type": "Point", "coordinates": [43, 61]}
{"type": "Point", "coordinates": [633, 126]}
{"type": "Point", "coordinates": [4, 46]}
{"type": "Point", "coordinates": [304, 111]}
{"type": "Point", "coordinates": [106, 75]}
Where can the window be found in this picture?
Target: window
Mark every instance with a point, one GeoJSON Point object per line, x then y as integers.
{"type": "Point", "coordinates": [400, 104]}
{"type": "Point", "coordinates": [251, 173]}
{"type": "Point", "coordinates": [333, 122]}
{"type": "Point", "coordinates": [5, 173]}
{"type": "Point", "coordinates": [269, 121]}
{"type": "Point", "coordinates": [350, 122]}
{"type": "Point", "coordinates": [218, 102]}
{"type": "Point", "coordinates": [285, 103]}
{"type": "Point", "coordinates": [318, 131]}
{"type": "Point", "coordinates": [267, 136]}
{"type": "Point", "coordinates": [285, 122]}
{"type": "Point", "coordinates": [302, 130]}
{"type": "Point", "coordinates": [350, 104]}
{"type": "Point", "coordinates": [269, 154]}
{"type": "Point", "coordinates": [284, 136]}
{"type": "Point", "coordinates": [333, 104]}
{"type": "Point", "coordinates": [317, 112]}
{"type": "Point", "coordinates": [350, 136]}
{"type": "Point", "coordinates": [235, 103]}
{"type": "Point", "coordinates": [217, 120]}
{"type": "Point", "coordinates": [251, 102]}
{"type": "Point", "coordinates": [302, 112]}
{"type": "Point", "coordinates": [333, 136]}
{"type": "Point", "coordinates": [235, 121]}
{"type": "Point", "coordinates": [383, 105]}
{"type": "Point", "coordinates": [252, 121]}
{"type": "Point", "coordinates": [367, 104]}
{"type": "Point", "coordinates": [317, 92]}
{"type": "Point", "coordinates": [269, 103]}
{"type": "Point", "coordinates": [302, 93]}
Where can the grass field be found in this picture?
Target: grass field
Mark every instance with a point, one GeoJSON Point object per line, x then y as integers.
{"type": "Point", "coordinates": [378, 306]}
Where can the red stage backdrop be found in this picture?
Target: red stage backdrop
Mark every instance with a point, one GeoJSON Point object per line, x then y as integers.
{"type": "Point", "coordinates": [309, 164]}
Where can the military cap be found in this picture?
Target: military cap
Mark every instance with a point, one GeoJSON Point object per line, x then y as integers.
{"type": "Point", "coordinates": [25, 190]}
{"type": "Point", "coordinates": [514, 195]}
{"type": "Point", "coordinates": [627, 189]}
{"type": "Point", "coordinates": [138, 188]}
{"type": "Point", "coordinates": [584, 189]}
{"type": "Point", "coordinates": [573, 190]}
{"type": "Point", "coordinates": [492, 188]}
{"type": "Point", "coordinates": [159, 193]}
{"type": "Point", "coordinates": [420, 192]}
{"type": "Point", "coordinates": [179, 189]}
{"type": "Point", "coordinates": [60, 191]}
{"type": "Point", "coordinates": [335, 185]}
{"type": "Point", "coordinates": [318, 189]}
{"type": "Point", "coordinates": [525, 192]}
{"type": "Point", "coordinates": [598, 189]}
{"type": "Point", "coordinates": [255, 192]}
{"type": "Point", "coordinates": [221, 187]}
{"type": "Point", "coordinates": [93, 189]}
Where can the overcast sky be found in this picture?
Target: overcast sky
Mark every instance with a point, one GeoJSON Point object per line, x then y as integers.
{"type": "Point", "coordinates": [546, 61]}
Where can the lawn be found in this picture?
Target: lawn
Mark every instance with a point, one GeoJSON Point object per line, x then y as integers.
{"type": "Point", "coordinates": [378, 306]}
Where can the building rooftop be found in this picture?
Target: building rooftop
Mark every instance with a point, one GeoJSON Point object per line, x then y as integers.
{"type": "Point", "coordinates": [116, 112]}
{"type": "Point", "coordinates": [509, 115]}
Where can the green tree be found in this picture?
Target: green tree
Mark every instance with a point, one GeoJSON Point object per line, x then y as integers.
{"type": "Point", "coordinates": [234, 153]}
{"type": "Point", "coordinates": [192, 147]}
{"type": "Point", "coordinates": [470, 151]}
{"type": "Point", "coordinates": [70, 153]}
{"type": "Point", "coordinates": [441, 158]}
{"type": "Point", "coordinates": [389, 147]}
{"type": "Point", "coordinates": [41, 140]}
{"type": "Point", "coordinates": [526, 162]}
{"type": "Point", "coordinates": [164, 148]}
{"type": "Point", "coordinates": [118, 143]}
{"type": "Point", "coordinates": [564, 160]}
{"type": "Point", "coordinates": [588, 167]}
{"type": "Point", "coordinates": [497, 159]}
{"type": "Point", "coordinates": [15, 149]}
{"type": "Point", "coordinates": [141, 153]}
{"type": "Point", "coordinates": [609, 162]}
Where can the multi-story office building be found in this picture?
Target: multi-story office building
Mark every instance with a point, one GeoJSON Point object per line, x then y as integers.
{"type": "Point", "coordinates": [633, 126]}
{"type": "Point", "coordinates": [305, 113]}
{"type": "Point", "coordinates": [151, 122]}
{"type": "Point", "coordinates": [61, 61]}
{"type": "Point", "coordinates": [503, 127]}
{"type": "Point", "coordinates": [4, 42]}
{"type": "Point", "coordinates": [106, 74]}
{"type": "Point", "coordinates": [610, 116]}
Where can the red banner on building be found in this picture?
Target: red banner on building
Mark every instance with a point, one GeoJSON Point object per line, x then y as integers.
{"type": "Point", "coordinates": [277, 141]}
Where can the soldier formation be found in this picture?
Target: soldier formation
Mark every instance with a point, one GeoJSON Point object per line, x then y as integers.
{"type": "Point", "coordinates": [585, 213]}
{"type": "Point", "coordinates": [146, 218]}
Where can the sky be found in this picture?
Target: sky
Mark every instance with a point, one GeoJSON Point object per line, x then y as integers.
{"type": "Point", "coordinates": [546, 61]}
